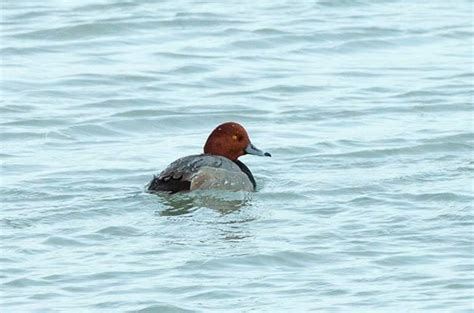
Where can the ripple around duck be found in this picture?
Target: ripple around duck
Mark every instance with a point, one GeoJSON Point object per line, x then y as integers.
{"type": "Point", "coordinates": [363, 45]}
{"type": "Point", "coordinates": [327, 115]}
{"type": "Point", "coordinates": [119, 6]}
{"type": "Point", "coordinates": [63, 241]}
{"type": "Point", "coordinates": [25, 282]}
{"type": "Point", "coordinates": [117, 103]}
{"type": "Point", "coordinates": [282, 259]}
{"type": "Point", "coordinates": [412, 150]}
{"type": "Point", "coordinates": [439, 197]}
{"type": "Point", "coordinates": [343, 3]}
{"type": "Point", "coordinates": [185, 56]}
{"type": "Point", "coordinates": [191, 69]}
{"type": "Point", "coordinates": [6, 136]}
{"type": "Point", "coordinates": [38, 122]}
{"type": "Point", "coordinates": [92, 131]}
{"type": "Point", "coordinates": [147, 113]}
{"type": "Point", "coordinates": [25, 51]}
{"type": "Point", "coordinates": [78, 32]}
{"type": "Point", "coordinates": [162, 308]}
{"type": "Point", "coordinates": [16, 108]}
{"type": "Point", "coordinates": [122, 231]}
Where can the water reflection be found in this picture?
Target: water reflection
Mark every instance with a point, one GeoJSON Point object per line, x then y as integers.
{"type": "Point", "coordinates": [231, 224]}
{"type": "Point", "coordinates": [220, 201]}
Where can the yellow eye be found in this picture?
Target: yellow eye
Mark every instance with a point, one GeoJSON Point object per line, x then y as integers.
{"type": "Point", "coordinates": [234, 137]}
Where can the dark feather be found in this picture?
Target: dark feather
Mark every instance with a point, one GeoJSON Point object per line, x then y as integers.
{"type": "Point", "coordinates": [247, 171]}
{"type": "Point", "coordinates": [168, 184]}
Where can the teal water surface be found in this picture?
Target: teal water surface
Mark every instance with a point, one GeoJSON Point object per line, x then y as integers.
{"type": "Point", "coordinates": [365, 206]}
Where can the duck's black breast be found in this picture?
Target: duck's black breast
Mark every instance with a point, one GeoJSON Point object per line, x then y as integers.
{"type": "Point", "coordinates": [247, 171]}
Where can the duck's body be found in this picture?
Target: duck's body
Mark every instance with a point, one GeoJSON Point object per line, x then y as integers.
{"type": "Point", "coordinates": [217, 168]}
{"type": "Point", "coordinates": [204, 172]}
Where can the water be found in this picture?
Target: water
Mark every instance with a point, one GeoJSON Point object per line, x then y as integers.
{"type": "Point", "coordinates": [366, 204]}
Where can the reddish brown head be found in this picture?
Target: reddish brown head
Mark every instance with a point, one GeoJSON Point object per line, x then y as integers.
{"type": "Point", "coordinates": [231, 140]}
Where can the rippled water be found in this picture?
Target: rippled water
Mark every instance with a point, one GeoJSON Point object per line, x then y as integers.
{"type": "Point", "coordinates": [366, 107]}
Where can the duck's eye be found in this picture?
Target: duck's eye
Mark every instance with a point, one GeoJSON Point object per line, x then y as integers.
{"type": "Point", "coordinates": [237, 137]}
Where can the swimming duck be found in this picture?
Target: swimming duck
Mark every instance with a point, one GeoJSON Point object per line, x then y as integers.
{"type": "Point", "coordinates": [217, 168]}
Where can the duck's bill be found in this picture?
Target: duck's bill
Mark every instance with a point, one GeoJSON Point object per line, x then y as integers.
{"type": "Point", "coordinates": [251, 149]}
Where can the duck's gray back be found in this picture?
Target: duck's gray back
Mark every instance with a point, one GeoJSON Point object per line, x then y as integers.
{"type": "Point", "coordinates": [201, 172]}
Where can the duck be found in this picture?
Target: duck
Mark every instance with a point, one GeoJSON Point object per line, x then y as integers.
{"type": "Point", "coordinates": [218, 167]}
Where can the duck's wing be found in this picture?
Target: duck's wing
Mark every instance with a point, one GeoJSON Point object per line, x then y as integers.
{"type": "Point", "coordinates": [179, 174]}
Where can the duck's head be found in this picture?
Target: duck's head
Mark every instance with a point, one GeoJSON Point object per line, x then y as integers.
{"type": "Point", "coordinates": [231, 140]}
